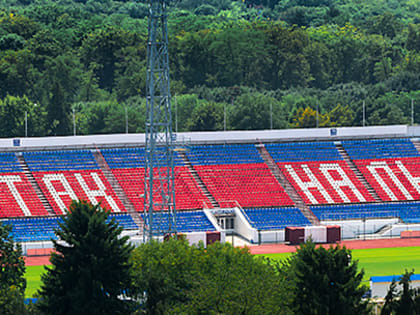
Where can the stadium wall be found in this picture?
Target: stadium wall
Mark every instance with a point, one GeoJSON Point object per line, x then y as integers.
{"type": "Point", "coordinates": [354, 228]}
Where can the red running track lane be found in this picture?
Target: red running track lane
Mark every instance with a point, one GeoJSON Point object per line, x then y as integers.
{"type": "Point", "coordinates": [37, 260]}
{"type": "Point", "coordinates": [282, 248]}
{"type": "Point", "coordinates": [355, 244]}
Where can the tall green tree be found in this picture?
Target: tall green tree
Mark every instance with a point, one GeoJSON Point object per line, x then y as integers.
{"type": "Point", "coordinates": [90, 267]}
{"type": "Point", "coordinates": [326, 281]}
{"type": "Point", "coordinates": [207, 116]}
{"type": "Point", "coordinates": [60, 85]}
{"type": "Point", "coordinates": [175, 278]}
{"type": "Point", "coordinates": [404, 301]}
{"type": "Point", "coordinates": [252, 111]}
{"type": "Point", "coordinates": [12, 271]}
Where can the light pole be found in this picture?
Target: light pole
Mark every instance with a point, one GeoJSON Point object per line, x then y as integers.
{"type": "Point", "coordinates": [224, 118]}
{"type": "Point", "coordinates": [364, 113]}
{"type": "Point", "coordinates": [271, 115]}
{"type": "Point", "coordinates": [176, 115]}
{"type": "Point", "coordinates": [317, 115]}
{"type": "Point", "coordinates": [26, 123]}
{"type": "Point", "coordinates": [412, 112]}
{"type": "Point", "coordinates": [126, 119]}
{"type": "Point", "coordinates": [74, 121]}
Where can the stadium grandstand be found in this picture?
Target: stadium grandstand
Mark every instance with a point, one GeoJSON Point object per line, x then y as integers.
{"type": "Point", "coordinates": [249, 183]}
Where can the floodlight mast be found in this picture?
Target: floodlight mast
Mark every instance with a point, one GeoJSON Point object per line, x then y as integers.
{"type": "Point", "coordinates": [159, 197]}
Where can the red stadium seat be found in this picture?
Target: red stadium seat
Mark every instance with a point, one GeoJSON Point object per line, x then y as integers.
{"type": "Point", "coordinates": [187, 194]}
{"type": "Point", "coordinates": [251, 185]}
{"type": "Point", "coordinates": [22, 201]}
{"type": "Point", "coordinates": [326, 182]}
{"type": "Point", "coordinates": [61, 187]}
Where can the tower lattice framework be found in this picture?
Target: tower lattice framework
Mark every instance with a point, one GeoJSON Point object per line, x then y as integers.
{"type": "Point", "coordinates": [159, 197]}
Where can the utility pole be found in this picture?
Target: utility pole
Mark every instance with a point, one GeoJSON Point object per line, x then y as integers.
{"type": "Point", "coordinates": [159, 196]}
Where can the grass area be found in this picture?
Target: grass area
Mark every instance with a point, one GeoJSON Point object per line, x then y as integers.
{"type": "Point", "coordinates": [380, 261]}
{"type": "Point", "coordinates": [376, 262]}
{"type": "Point", "coordinates": [33, 279]}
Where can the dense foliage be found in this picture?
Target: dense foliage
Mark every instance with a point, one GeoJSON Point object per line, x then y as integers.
{"type": "Point", "coordinates": [402, 301]}
{"type": "Point", "coordinates": [249, 57]}
{"type": "Point", "coordinates": [326, 281]}
{"type": "Point", "coordinates": [175, 278]}
{"type": "Point", "coordinates": [12, 270]}
{"type": "Point", "coordinates": [90, 266]}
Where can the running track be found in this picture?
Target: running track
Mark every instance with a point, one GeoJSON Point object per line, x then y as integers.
{"type": "Point", "coordinates": [355, 244]}
{"type": "Point", "coordinates": [282, 248]}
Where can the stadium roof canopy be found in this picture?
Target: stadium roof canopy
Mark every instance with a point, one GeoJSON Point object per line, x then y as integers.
{"type": "Point", "coordinates": [213, 137]}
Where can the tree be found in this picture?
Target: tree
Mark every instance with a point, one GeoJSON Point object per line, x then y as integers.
{"type": "Point", "coordinates": [307, 118]}
{"type": "Point", "coordinates": [206, 116]}
{"type": "Point", "coordinates": [90, 267]}
{"type": "Point", "coordinates": [252, 111]}
{"type": "Point", "coordinates": [175, 278]}
{"type": "Point", "coordinates": [402, 302]}
{"type": "Point", "coordinates": [232, 281]}
{"type": "Point", "coordinates": [12, 270]}
{"type": "Point", "coordinates": [59, 86]}
{"type": "Point", "coordinates": [390, 299]}
{"type": "Point", "coordinates": [326, 281]}
{"type": "Point", "coordinates": [341, 116]}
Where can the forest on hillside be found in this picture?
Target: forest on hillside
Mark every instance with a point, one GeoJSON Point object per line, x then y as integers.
{"type": "Point", "coordinates": [301, 60]}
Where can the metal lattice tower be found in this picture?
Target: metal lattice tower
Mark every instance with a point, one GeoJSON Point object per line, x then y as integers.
{"type": "Point", "coordinates": [159, 197]}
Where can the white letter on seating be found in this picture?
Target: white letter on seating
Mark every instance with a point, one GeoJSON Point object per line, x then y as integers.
{"type": "Point", "coordinates": [382, 165]}
{"type": "Point", "coordinates": [68, 191]}
{"type": "Point", "coordinates": [313, 183]}
{"type": "Point", "coordinates": [415, 181]}
{"type": "Point", "coordinates": [338, 183]}
{"type": "Point", "coordinates": [92, 194]}
{"type": "Point", "coordinates": [9, 180]}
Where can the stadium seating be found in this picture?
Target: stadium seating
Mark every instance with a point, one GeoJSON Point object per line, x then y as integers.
{"type": "Point", "coordinates": [127, 165]}
{"type": "Point", "coordinates": [187, 221]}
{"type": "Point", "coordinates": [232, 173]}
{"type": "Point", "coordinates": [64, 176]}
{"type": "Point", "coordinates": [275, 218]}
{"type": "Point", "coordinates": [42, 228]}
{"type": "Point", "coordinates": [391, 166]}
{"type": "Point", "coordinates": [237, 173]}
{"type": "Point", "coordinates": [318, 173]}
{"type": "Point", "coordinates": [407, 211]}
{"type": "Point", "coordinates": [17, 196]}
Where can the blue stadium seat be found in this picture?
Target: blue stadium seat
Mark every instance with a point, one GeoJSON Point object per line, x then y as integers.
{"type": "Point", "coordinates": [42, 228]}
{"type": "Point", "coordinates": [188, 221]}
{"type": "Point", "coordinates": [380, 149]}
{"type": "Point", "coordinates": [275, 218]}
{"type": "Point", "coordinates": [407, 211]}
{"type": "Point", "coordinates": [303, 151]}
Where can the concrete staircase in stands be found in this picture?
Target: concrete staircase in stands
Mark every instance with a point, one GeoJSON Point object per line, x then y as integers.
{"type": "Point", "coordinates": [357, 172]}
{"type": "Point", "coordinates": [106, 170]}
{"type": "Point", "coordinates": [199, 181]}
{"type": "Point", "coordinates": [290, 190]}
{"type": "Point", "coordinates": [34, 184]}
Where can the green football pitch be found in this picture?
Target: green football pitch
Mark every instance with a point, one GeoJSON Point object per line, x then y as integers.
{"type": "Point", "coordinates": [33, 279]}
{"type": "Point", "coordinates": [380, 261]}
{"type": "Point", "coordinates": [375, 262]}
